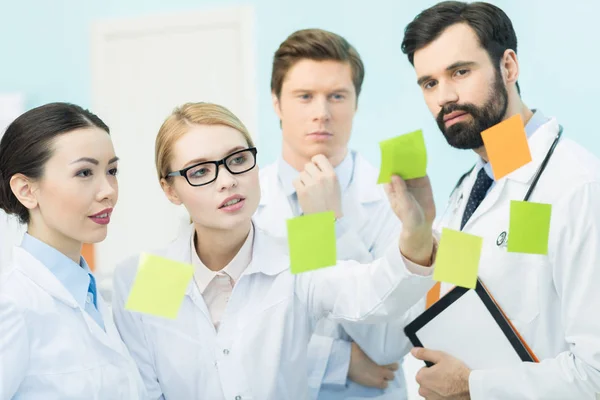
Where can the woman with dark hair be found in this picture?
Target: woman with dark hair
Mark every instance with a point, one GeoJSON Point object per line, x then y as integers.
{"type": "Point", "coordinates": [57, 339]}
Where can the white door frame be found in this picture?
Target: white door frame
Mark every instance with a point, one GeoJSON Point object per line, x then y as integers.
{"type": "Point", "coordinates": [242, 17]}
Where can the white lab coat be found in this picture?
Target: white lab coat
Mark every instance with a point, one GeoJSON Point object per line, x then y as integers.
{"type": "Point", "coordinates": [370, 226]}
{"type": "Point", "coordinates": [552, 300]}
{"type": "Point", "coordinates": [50, 348]}
{"type": "Point", "coordinates": [259, 351]}
{"type": "Point", "coordinates": [11, 234]}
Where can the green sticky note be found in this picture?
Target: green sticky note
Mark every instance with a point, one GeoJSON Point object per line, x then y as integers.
{"type": "Point", "coordinates": [404, 156]}
{"type": "Point", "coordinates": [529, 228]}
{"type": "Point", "coordinates": [159, 286]}
{"type": "Point", "coordinates": [311, 240]}
{"type": "Point", "coordinates": [457, 260]}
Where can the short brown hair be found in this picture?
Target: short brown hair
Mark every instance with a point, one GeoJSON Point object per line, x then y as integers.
{"type": "Point", "coordinates": [179, 123]}
{"type": "Point", "coordinates": [318, 45]}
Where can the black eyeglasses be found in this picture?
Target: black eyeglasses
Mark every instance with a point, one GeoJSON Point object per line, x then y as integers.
{"type": "Point", "coordinates": [207, 172]}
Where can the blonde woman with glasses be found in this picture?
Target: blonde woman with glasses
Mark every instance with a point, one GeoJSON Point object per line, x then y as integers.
{"type": "Point", "coordinates": [243, 329]}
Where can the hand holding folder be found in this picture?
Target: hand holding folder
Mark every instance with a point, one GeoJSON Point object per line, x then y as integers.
{"type": "Point", "coordinates": [469, 325]}
{"type": "Point", "coordinates": [449, 379]}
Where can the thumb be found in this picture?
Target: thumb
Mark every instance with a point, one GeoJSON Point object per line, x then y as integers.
{"type": "Point", "coordinates": [396, 186]}
{"type": "Point", "coordinates": [398, 194]}
{"type": "Point", "coordinates": [423, 354]}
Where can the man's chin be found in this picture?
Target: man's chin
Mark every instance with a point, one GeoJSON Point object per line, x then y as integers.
{"type": "Point", "coordinates": [464, 142]}
{"type": "Point", "coordinates": [320, 148]}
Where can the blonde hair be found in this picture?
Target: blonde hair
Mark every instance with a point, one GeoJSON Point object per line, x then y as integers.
{"type": "Point", "coordinates": [179, 122]}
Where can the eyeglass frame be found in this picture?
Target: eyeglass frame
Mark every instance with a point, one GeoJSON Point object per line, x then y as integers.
{"type": "Point", "coordinates": [183, 172]}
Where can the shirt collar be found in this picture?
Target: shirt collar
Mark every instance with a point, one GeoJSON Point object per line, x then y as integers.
{"type": "Point", "coordinates": [76, 278]}
{"type": "Point", "coordinates": [344, 172]}
{"type": "Point", "coordinates": [535, 122]}
{"type": "Point", "coordinates": [203, 275]}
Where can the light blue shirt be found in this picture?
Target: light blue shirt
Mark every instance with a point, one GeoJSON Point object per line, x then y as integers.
{"type": "Point", "coordinates": [535, 122]}
{"type": "Point", "coordinates": [339, 360]}
{"type": "Point", "coordinates": [76, 278]}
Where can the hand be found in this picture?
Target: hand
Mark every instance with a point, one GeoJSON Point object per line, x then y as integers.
{"type": "Point", "coordinates": [318, 187]}
{"type": "Point", "coordinates": [448, 378]}
{"type": "Point", "coordinates": [412, 202]}
{"type": "Point", "coordinates": [365, 372]}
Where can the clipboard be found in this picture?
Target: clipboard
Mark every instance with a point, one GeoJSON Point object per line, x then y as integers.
{"type": "Point", "coordinates": [469, 325]}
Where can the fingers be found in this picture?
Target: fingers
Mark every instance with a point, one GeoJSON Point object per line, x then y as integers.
{"type": "Point", "coordinates": [298, 185]}
{"type": "Point", "coordinates": [423, 375]}
{"type": "Point", "coordinates": [305, 178]}
{"type": "Point", "coordinates": [381, 378]}
{"type": "Point", "coordinates": [323, 164]}
{"type": "Point", "coordinates": [427, 355]}
{"type": "Point", "coordinates": [392, 367]}
{"type": "Point", "coordinates": [383, 384]}
{"type": "Point", "coordinates": [395, 186]}
{"type": "Point", "coordinates": [388, 375]}
{"type": "Point", "coordinates": [398, 184]}
{"type": "Point", "coordinates": [426, 393]}
{"type": "Point", "coordinates": [312, 170]}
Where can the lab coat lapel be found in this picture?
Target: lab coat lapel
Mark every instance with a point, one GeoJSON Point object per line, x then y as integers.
{"type": "Point", "coordinates": [539, 144]}
{"type": "Point", "coordinates": [273, 196]}
{"type": "Point", "coordinates": [180, 250]}
{"type": "Point", "coordinates": [38, 273]}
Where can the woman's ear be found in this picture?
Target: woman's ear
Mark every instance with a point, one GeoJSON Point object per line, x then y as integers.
{"type": "Point", "coordinates": [170, 192]}
{"type": "Point", "coordinates": [24, 190]}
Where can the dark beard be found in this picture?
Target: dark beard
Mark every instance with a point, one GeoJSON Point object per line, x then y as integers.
{"type": "Point", "coordinates": [467, 135]}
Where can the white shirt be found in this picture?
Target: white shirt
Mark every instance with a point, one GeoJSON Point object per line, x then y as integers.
{"type": "Point", "coordinates": [259, 351]}
{"type": "Point", "coordinates": [216, 286]}
{"type": "Point", "coordinates": [552, 300]}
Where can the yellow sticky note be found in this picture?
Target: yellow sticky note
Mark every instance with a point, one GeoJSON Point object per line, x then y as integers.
{"type": "Point", "coordinates": [529, 228]}
{"type": "Point", "coordinates": [311, 240]}
{"type": "Point", "coordinates": [506, 146]}
{"type": "Point", "coordinates": [159, 286]}
{"type": "Point", "coordinates": [405, 156]}
{"type": "Point", "coordinates": [457, 260]}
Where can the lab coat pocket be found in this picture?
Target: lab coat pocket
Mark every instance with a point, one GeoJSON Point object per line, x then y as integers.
{"type": "Point", "coordinates": [81, 382]}
{"type": "Point", "coordinates": [514, 284]}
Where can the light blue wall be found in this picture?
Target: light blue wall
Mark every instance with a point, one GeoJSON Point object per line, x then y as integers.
{"type": "Point", "coordinates": [44, 51]}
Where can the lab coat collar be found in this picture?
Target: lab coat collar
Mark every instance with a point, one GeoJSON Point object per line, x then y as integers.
{"type": "Point", "coordinates": [76, 278]}
{"type": "Point", "coordinates": [34, 270]}
{"type": "Point", "coordinates": [539, 144]}
{"type": "Point", "coordinates": [31, 267]}
{"type": "Point", "coordinates": [269, 255]}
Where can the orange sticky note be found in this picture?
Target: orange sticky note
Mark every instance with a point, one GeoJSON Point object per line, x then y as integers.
{"type": "Point", "coordinates": [506, 146]}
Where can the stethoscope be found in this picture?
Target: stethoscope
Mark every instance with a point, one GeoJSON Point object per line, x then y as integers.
{"type": "Point", "coordinates": [502, 237]}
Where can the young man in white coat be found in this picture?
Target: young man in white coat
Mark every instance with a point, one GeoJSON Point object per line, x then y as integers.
{"type": "Point", "coordinates": [465, 59]}
{"type": "Point", "coordinates": [315, 83]}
